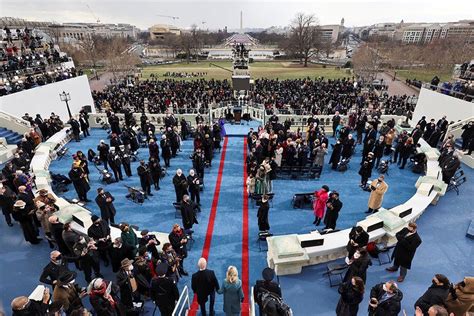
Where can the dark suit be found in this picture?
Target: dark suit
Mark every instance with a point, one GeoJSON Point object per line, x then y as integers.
{"type": "Point", "coordinates": [204, 284]}
{"type": "Point", "coordinates": [107, 209]}
{"type": "Point", "coordinates": [164, 293]}
{"type": "Point", "coordinates": [52, 271]}
{"type": "Point", "coordinates": [405, 249]}
{"type": "Point", "coordinates": [261, 286]}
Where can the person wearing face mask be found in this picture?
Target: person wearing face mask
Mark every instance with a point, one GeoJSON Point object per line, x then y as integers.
{"type": "Point", "coordinates": [358, 265]}
{"type": "Point", "coordinates": [129, 281]}
{"type": "Point", "coordinates": [358, 238]}
{"type": "Point", "coordinates": [103, 297]}
{"type": "Point", "coordinates": [188, 212]}
{"type": "Point", "coordinates": [99, 231]}
{"type": "Point", "coordinates": [336, 154]}
{"type": "Point", "coordinates": [436, 294]}
{"type": "Point", "coordinates": [179, 240]}
{"type": "Point", "coordinates": [145, 177]}
{"type": "Point", "coordinates": [449, 166]}
{"type": "Point", "coordinates": [118, 252]}
{"type": "Point", "coordinates": [378, 188]}
{"type": "Point", "coordinates": [468, 137]}
{"type": "Point", "coordinates": [87, 255]}
{"type": "Point", "coordinates": [385, 299]}
{"type": "Point", "coordinates": [194, 187]}
{"type": "Point", "coordinates": [164, 291]}
{"type": "Point", "coordinates": [105, 202]}
{"type": "Point", "coordinates": [23, 306]}
{"type": "Point", "coordinates": [404, 252]}
{"type": "Point", "coordinates": [352, 293]}
{"type": "Point", "coordinates": [68, 293]}
{"type": "Point", "coordinates": [180, 185]}
{"type": "Point", "coordinates": [52, 271]}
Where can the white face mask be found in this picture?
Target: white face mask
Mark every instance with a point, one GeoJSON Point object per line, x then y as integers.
{"type": "Point", "coordinates": [130, 268]}
{"type": "Point", "coordinates": [72, 281]}
{"type": "Point", "coordinates": [356, 255]}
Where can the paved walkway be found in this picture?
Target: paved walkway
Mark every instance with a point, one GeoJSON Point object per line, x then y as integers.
{"type": "Point", "coordinates": [100, 84]}
{"type": "Point", "coordinates": [397, 87]}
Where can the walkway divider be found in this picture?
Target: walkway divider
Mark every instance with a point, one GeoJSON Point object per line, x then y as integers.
{"type": "Point", "coordinates": [245, 237]}
{"type": "Point", "coordinates": [212, 217]}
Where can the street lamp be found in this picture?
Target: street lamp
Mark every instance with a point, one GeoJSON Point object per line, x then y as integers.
{"type": "Point", "coordinates": [65, 97]}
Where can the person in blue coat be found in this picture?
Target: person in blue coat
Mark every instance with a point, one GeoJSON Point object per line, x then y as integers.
{"type": "Point", "coordinates": [232, 290]}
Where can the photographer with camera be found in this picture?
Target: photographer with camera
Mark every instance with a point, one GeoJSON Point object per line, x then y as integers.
{"type": "Point", "coordinates": [378, 188]}
{"type": "Point", "coordinates": [179, 240]}
{"type": "Point", "coordinates": [385, 299]}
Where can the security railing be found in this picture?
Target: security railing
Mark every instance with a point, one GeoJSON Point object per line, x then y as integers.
{"type": "Point", "coordinates": [450, 92]}
{"type": "Point", "coordinates": [183, 304]}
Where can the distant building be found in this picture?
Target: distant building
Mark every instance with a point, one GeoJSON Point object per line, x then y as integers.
{"type": "Point", "coordinates": [159, 31]}
{"type": "Point", "coordinates": [414, 33]}
{"type": "Point", "coordinates": [331, 32]}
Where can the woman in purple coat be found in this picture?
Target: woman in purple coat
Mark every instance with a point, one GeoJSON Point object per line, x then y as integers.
{"type": "Point", "coordinates": [221, 125]}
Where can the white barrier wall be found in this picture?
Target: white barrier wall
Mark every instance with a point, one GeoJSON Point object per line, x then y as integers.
{"type": "Point", "coordinates": [433, 104]}
{"type": "Point", "coordinates": [45, 99]}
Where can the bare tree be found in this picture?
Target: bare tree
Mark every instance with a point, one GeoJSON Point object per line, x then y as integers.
{"type": "Point", "coordinates": [93, 48]}
{"type": "Point", "coordinates": [118, 60]}
{"type": "Point", "coordinates": [367, 62]}
{"type": "Point", "coordinates": [305, 36]}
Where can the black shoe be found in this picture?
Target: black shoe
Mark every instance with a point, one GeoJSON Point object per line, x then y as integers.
{"type": "Point", "coordinates": [368, 212]}
{"type": "Point", "coordinates": [10, 224]}
{"type": "Point", "coordinates": [87, 200]}
{"type": "Point", "coordinates": [314, 222]}
{"type": "Point", "coordinates": [184, 273]}
{"type": "Point", "coordinates": [150, 194]}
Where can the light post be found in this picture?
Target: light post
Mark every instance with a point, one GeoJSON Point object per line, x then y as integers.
{"type": "Point", "coordinates": [65, 97]}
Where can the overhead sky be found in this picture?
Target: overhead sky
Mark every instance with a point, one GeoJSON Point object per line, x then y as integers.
{"type": "Point", "coordinates": [214, 14]}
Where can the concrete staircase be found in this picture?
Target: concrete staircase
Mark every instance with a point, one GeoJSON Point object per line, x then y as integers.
{"type": "Point", "coordinates": [12, 138]}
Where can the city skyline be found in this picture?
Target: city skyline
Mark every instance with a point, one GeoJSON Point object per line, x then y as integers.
{"type": "Point", "coordinates": [217, 15]}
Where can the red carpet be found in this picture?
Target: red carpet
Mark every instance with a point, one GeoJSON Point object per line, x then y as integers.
{"type": "Point", "coordinates": [245, 238]}
{"type": "Point", "coordinates": [212, 217]}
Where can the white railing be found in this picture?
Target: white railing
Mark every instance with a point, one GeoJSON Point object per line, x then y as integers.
{"type": "Point", "coordinates": [183, 302]}
{"type": "Point", "coordinates": [14, 123]}
{"type": "Point", "coordinates": [456, 127]}
{"type": "Point", "coordinates": [252, 303]}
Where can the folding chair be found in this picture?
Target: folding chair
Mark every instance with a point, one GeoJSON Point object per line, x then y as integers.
{"type": "Point", "coordinates": [262, 238]}
{"type": "Point", "coordinates": [336, 269]}
{"type": "Point", "coordinates": [382, 249]}
{"type": "Point", "coordinates": [177, 208]}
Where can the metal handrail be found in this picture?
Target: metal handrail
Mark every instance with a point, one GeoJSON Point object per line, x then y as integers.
{"type": "Point", "coordinates": [184, 296]}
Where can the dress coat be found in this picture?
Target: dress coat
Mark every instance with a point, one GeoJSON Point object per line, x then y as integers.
{"type": "Point", "coordinates": [332, 212]}
{"type": "Point", "coordinates": [463, 300]}
{"type": "Point", "coordinates": [348, 304]}
{"type": "Point", "coordinates": [376, 195]}
{"type": "Point", "coordinates": [319, 204]}
{"type": "Point", "coordinates": [107, 209]}
{"type": "Point", "coordinates": [389, 307]}
{"type": "Point", "coordinates": [204, 283]}
{"type": "Point", "coordinates": [262, 216]}
{"type": "Point", "coordinates": [233, 296]}
{"type": "Point", "coordinates": [406, 247]}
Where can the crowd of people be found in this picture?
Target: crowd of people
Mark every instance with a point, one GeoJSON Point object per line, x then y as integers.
{"type": "Point", "coordinates": [144, 272]}
{"type": "Point", "coordinates": [27, 61]}
{"type": "Point", "coordinates": [161, 95]}
{"type": "Point", "coordinates": [181, 74]}
{"type": "Point", "coordinates": [303, 96]}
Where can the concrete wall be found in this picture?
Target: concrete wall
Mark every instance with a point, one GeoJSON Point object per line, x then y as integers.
{"type": "Point", "coordinates": [434, 105]}
{"type": "Point", "coordinates": [45, 99]}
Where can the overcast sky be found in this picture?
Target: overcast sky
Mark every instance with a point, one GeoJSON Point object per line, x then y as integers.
{"type": "Point", "coordinates": [217, 14]}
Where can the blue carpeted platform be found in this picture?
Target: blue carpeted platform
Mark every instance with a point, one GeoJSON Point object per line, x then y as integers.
{"type": "Point", "coordinates": [12, 137]}
{"type": "Point", "coordinates": [445, 248]}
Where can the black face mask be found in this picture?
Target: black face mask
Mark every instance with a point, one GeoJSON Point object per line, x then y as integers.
{"type": "Point", "coordinates": [59, 258]}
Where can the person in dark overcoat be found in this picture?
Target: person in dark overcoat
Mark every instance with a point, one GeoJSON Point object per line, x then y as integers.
{"type": "Point", "coordinates": [204, 284]}
{"type": "Point", "coordinates": [194, 187]}
{"type": "Point", "coordinates": [120, 251]}
{"type": "Point", "coordinates": [145, 177]}
{"type": "Point", "coordinates": [365, 170]}
{"type": "Point", "coordinates": [103, 302]}
{"type": "Point", "coordinates": [333, 206]}
{"type": "Point", "coordinates": [24, 216]}
{"type": "Point", "coordinates": [180, 185]}
{"type": "Point", "coordinates": [164, 291]}
{"type": "Point", "coordinates": [358, 265]}
{"type": "Point", "coordinates": [188, 212]}
{"type": "Point", "coordinates": [262, 214]}
{"type": "Point", "coordinates": [449, 167]}
{"type": "Point", "coordinates": [178, 240]}
{"type": "Point", "coordinates": [165, 150]}
{"type": "Point", "coordinates": [105, 202]}
{"type": "Point", "coordinates": [358, 238]}
{"type": "Point", "coordinates": [352, 293]}
{"type": "Point", "coordinates": [265, 285]}
{"type": "Point", "coordinates": [103, 150]}
{"type": "Point", "coordinates": [336, 154]}
{"type": "Point", "coordinates": [404, 252]}
{"type": "Point", "coordinates": [115, 162]}
{"type": "Point", "coordinates": [129, 281]}
{"type": "Point", "coordinates": [348, 147]}
{"type": "Point", "coordinates": [80, 182]}
{"type": "Point", "coordinates": [436, 294]}
{"type": "Point", "coordinates": [99, 231]}
{"type": "Point", "coordinates": [153, 149]}
{"type": "Point", "coordinates": [155, 171]}
{"type": "Point", "coordinates": [7, 200]}
{"type": "Point", "coordinates": [385, 299]}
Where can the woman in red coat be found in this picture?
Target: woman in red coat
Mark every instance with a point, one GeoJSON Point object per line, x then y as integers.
{"type": "Point", "coordinates": [319, 204]}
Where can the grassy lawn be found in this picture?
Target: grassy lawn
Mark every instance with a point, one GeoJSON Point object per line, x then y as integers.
{"type": "Point", "coordinates": [424, 75]}
{"type": "Point", "coordinates": [273, 70]}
